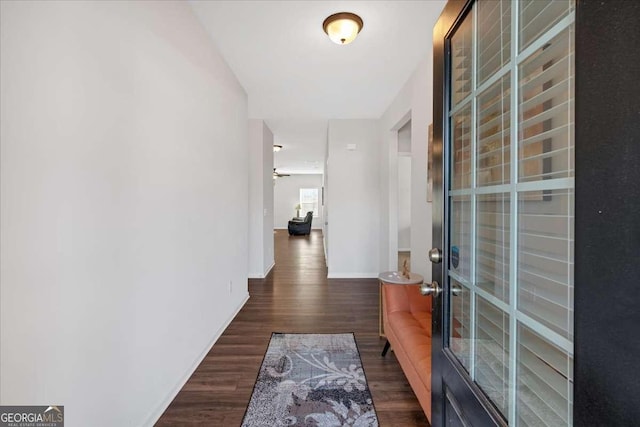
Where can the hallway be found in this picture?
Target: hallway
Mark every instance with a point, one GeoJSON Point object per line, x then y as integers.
{"type": "Point", "coordinates": [295, 297]}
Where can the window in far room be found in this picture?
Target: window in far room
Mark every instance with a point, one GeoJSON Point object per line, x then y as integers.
{"type": "Point", "coordinates": [309, 201]}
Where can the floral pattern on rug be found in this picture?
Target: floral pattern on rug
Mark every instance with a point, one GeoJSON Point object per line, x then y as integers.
{"type": "Point", "coordinates": [311, 380]}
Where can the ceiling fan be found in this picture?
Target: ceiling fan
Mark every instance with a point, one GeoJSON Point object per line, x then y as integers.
{"type": "Point", "coordinates": [277, 174]}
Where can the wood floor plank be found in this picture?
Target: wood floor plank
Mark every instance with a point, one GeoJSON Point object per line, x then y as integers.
{"type": "Point", "coordinates": [295, 297]}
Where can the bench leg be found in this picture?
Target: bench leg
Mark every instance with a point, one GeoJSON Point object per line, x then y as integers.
{"type": "Point", "coordinates": [386, 348]}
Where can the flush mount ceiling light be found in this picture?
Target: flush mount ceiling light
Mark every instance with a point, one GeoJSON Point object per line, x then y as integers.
{"type": "Point", "coordinates": [343, 27]}
{"type": "Point", "coordinates": [277, 148]}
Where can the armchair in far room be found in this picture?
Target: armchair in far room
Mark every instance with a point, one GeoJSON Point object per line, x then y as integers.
{"type": "Point", "coordinates": [301, 227]}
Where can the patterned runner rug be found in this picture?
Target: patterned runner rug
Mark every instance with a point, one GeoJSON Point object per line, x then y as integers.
{"type": "Point", "coordinates": [311, 380]}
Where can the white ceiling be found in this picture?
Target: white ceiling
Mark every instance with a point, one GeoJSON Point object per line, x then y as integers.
{"type": "Point", "coordinates": [303, 142]}
{"type": "Point", "coordinates": [297, 79]}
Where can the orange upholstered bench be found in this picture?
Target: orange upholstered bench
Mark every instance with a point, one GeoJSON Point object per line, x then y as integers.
{"type": "Point", "coordinates": [407, 325]}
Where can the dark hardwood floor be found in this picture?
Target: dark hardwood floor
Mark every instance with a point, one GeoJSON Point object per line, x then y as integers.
{"type": "Point", "coordinates": [295, 297]}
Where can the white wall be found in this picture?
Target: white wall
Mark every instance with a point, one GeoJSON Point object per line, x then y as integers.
{"type": "Point", "coordinates": [124, 199]}
{"type": "Point", "coordinates": [286, 195]}
{"type": "Point", "coordinates": [354, 199]}
{"type": "Point", "coordinates": [261, 257]}
{"type": "Point", "coordinates": [414, 100]}
{"type": "Point", "coordinates": [268, 255]}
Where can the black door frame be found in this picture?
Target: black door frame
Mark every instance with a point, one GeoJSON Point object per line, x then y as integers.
{"type": "Point", "coordinates": [607, 215]}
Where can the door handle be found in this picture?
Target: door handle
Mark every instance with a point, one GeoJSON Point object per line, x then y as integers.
{"type": "Point", "coordinates": [432, 289]}
{"type": "Point", "coordinates": [435, 255]}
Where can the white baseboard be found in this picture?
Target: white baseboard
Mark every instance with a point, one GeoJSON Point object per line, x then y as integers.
{"type": "Point", "coordinates": [352, 275]}
{"type": "Point", "coordinates": [268, 270]}
{"type": "Point", "coordinates": [164, 404]}
{"type": "Point", "coordinates": [261, 275]}
{"type": "Point", "coordinates": [404, 249]}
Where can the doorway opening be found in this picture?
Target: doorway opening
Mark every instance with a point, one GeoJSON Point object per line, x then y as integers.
{"type": "Point", "coordinates": [404, 196]}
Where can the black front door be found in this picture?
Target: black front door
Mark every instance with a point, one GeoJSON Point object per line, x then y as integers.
{"type": "Point", "coordinates": [536, 213]}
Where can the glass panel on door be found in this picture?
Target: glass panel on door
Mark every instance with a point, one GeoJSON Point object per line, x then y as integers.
{"type": "Point", "coordinates": [494, 37]}
{"type": "Point", "coordinates": [545, 392]}
{"type": "Point", "coordinates": [460, 255]}
{"type": "Point", "coordinates": [461, 62]}
{"type": "Point", "coordinates": [511, 206]}
{"type": "Point", "coordinates": [494, 140]}
{"type": "Point", "coordinates": [492, 353]}
{"type": "Point", "coordinates": [537, 16]}
{"type": "Point", "coordinates": [461, 325]}
{"type": "Point", "coordinates": [546, 111]}
{"type": "Point", "coordinates": [492, 244]}
{"type": "Point", "coordinates": [545, 258]}
{"type": "Point", "coordinates": [462, 148]}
